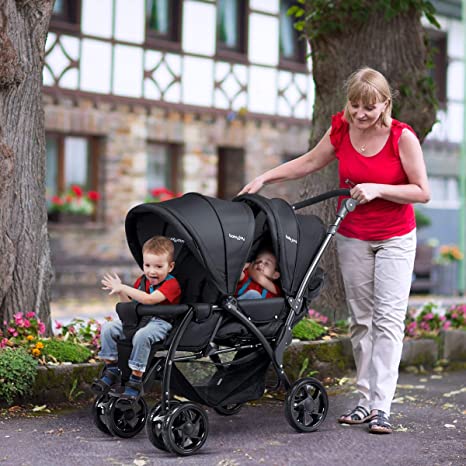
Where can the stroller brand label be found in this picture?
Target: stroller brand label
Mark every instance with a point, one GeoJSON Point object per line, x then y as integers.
{"type": "Point", "coordinates": [237, 237]}
{"type": "Point", "coordinates": [177, 240]}
{"type": "Point", "coordinates": [291, 240]}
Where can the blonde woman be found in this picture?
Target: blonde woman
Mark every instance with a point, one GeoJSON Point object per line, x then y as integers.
{"type": "Point", "coordinates": [381, 161]}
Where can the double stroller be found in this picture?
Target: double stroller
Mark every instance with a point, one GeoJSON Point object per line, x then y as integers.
{"type": "Point", "coordinates": [220, 349]}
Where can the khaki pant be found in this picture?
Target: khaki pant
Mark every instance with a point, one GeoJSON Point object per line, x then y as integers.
{"type": "Point", "coordinates": [377, 277]}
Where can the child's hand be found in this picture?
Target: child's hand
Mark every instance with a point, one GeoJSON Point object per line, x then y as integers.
{"type": "Point", "coordinates": [246, 265]}
{"type": "Point", "coordinates": [112, 283]}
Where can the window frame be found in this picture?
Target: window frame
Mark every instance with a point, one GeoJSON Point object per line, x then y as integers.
{"type": "Point", "coordinates": [172, 40]}
{"type": "Point", "coordinates": [298, 64]}
{"type": "Point", "coordinates": [241, 54]}
{"type": "Point", "coordinates": [176, 151]}
{"type": "Point", "coordinates": [69, 22]}
{"type": "Point", "coordinates": [94, 157]}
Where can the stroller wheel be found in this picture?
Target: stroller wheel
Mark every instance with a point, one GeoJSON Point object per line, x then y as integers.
{"type": "Point", "coordinates": [306, 405]}
{"type": "Point", "coordinates": [126, 420]}
{"type": "Point", "coordinates": [99, 409]}
{"type": "Point", "coordinates": [154, 425]}
{"type": "Point", "coordinates": [228, 410]}
{"type": "Point", "coordinates": [185, 429]}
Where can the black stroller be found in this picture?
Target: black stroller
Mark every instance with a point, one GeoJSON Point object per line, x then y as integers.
{"type": "Point", "coordinates": [236, 340]}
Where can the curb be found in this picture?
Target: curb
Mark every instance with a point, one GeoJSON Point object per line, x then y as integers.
{"type": "Point", "coordinates": [332, 358]}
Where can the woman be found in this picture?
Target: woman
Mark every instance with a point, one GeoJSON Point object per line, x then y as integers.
{"type": "Point", "coordinates": [381, 160]}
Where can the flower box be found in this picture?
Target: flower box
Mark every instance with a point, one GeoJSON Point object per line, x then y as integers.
{"type": "Point", "coordinates": [74, 207]}
{"type": "Point", "coordinates": [68, 218]}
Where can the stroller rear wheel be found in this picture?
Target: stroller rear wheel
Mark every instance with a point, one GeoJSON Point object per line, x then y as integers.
{"type": "Point", "coordinates": [99, 409]}
{"type": "Point", "coordinates": [306, 405]}
{"type": "Point", "coordinates": [228, 410]}
{"type": "Point", "coordinates": [126, 420]}
{"type": "Point", "coordinates": [185, 428]}
{"type": "Point", "coordinates": [154, 425]}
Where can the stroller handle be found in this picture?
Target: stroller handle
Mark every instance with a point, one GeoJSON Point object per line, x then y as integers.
{"type": "Point", "coordinates": [320, 198]}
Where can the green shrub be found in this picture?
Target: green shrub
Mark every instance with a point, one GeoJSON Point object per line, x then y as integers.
{"type": "Point", "coordinates": [65, 351]}
{"type": "Point", "coordinates": [18, 371]}
{"type": "Point", "coordinates": [422, 220]}
{"type": "Point", "coordinates": [308, 329]}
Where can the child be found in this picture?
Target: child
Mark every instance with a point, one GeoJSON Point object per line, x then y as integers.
{"type": "Point", "coordinates": [257, 278]}
{"type": "Point", "coordinates": [160, 288]}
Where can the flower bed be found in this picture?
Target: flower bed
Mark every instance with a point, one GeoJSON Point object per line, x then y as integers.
{"type": "Point", "coordinates": [430, 320]}
{"type": "Point", "coordinates": [23, 347]}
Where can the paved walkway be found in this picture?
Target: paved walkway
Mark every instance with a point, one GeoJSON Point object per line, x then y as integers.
{"type": "Point", "coordinates": [429, 418]}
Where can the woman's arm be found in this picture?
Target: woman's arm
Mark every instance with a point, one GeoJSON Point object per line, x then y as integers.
{"type": "Point", "coordinates": [413, 164]}
{"type": "Point", "coordinates": [320, 156]}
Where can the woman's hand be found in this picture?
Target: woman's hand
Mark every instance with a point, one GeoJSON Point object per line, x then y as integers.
{"type": "Point", "coordinates": [253, 186]}
{"type": "Point", "coordinates": [365, 192]}
{"type": "Point", "coordinates": [112, 283]}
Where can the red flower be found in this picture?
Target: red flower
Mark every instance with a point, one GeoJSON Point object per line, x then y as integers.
{"type": "Point", "coordinates": [57, 200]}
{"type": "Point", "coordinates": [166, 196]}
{"type": "Point", "coordinates": [93, 195]}
{"type": "Point", "coordinates": [77, 190]}
{"type": "Point", "coordinates": [156, 192]}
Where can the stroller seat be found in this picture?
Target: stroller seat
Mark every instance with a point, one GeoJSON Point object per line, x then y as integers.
{"type": "Point", "coordinates": [267, 314]}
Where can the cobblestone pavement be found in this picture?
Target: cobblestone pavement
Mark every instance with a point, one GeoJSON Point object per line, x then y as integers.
{"type": "Point", "coordinates": [429, 418]}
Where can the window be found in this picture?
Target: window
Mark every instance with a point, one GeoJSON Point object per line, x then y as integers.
{"type": "Point", "coordinates": [444, 192]}
{"type": "Point", "coordinates": [292, 45]}
{"type": "Point", "coordinates": [163, 162]}
{"type": "Point", "coordinates": [163, 23]}
{"type": "Point", "coordinates": [230, 172]}
{"type": "Point", "coordinates": [231, 28]}
{"type": "Point", "coordinates": [438, 44]}
{"type": "Point", "coordinates": [66, 15]}
{"type": "Point", "coordinates": [71, 160]}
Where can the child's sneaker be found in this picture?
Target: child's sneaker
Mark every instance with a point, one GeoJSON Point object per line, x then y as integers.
{"type": "Point", "coordinates": [110, 379]}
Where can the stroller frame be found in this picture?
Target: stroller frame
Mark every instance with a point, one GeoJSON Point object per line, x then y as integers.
{"type": "Point", "coordinates": [160, 417]}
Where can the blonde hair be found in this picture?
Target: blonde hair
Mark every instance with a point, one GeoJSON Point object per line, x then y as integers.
{"type": "Point", "coordinates": [369, 87]}
{"type": "Point", "coordinates": [160, 245]}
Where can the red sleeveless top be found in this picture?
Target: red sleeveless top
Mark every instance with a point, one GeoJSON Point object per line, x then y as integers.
{"type": "Point", "coordinates": [379, 219]}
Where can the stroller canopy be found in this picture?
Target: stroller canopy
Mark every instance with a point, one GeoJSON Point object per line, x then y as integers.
{"type": "Point", "coordinates": [294, 238]}
{"type": "Point", "coordinates": [218, 233]}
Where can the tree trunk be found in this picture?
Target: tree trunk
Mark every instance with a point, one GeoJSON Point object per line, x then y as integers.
{"type": "Point", "coordinates": [394, 47]}
{"type": "Point", "coordinates": [25, 266]}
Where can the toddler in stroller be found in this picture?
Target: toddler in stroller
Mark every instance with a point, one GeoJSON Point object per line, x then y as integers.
{"type": "Point", "coordinates": [155, 286]}
{"type": "Point", "coordinates": [258, 279]}
{"type": "Point", "coordinates": [238, 340]}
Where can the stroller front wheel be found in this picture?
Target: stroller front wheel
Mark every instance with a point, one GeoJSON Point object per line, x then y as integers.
{"type": "Point", "coordinates": [306, 405]}
{"type": "Point", "coordinates": [99, 413]}
{"type": "Point", "coordinates": [126, 420]}
{"type": "Point", "coordinates": [185, 429]}
{"type": "Point", "coordinates": [154, 425]}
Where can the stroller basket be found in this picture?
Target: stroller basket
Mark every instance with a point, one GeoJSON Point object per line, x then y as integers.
{"type": "Point", "coordinates": [237, 382]}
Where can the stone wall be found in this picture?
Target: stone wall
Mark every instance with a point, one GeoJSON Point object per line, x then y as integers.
{"type": "Point", "coordinates": [82, 252]}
